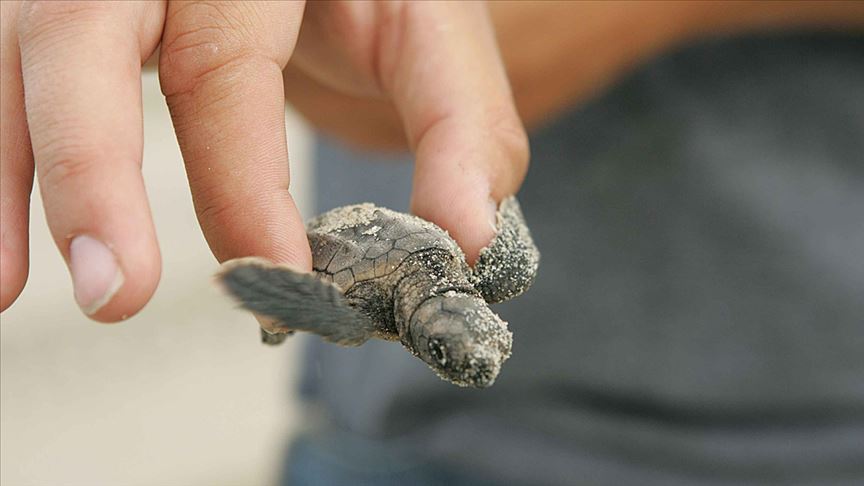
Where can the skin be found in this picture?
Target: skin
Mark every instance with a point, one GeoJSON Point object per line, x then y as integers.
{"type": "Point", "coordinates": [423, 75]}
{"type": "Point", "coordinates": [584, 46]}
{"type": "Point", "coordinates": [220, 68]}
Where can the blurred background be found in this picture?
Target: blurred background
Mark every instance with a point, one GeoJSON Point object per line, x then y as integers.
{"type": "Point", "coordinates": [182, 393]}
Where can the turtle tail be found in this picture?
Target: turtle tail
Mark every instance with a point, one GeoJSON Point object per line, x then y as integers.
{"type": "Point", "coordinates": [290, 301]}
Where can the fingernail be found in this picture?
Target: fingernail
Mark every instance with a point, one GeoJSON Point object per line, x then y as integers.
{"type": "Point", "coordinates": [95, 273]}
{"type": "Point", "coordinates": [492, 214]}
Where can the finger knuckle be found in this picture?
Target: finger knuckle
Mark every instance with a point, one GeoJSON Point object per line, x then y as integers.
{"type": "Point", "coordinates": [190, 62]}
{"type": "Point", "coordinates": [40, 18]}
{"type": "Point", "coordinates": [213, 211]}
{"type": "Point", "coordinates": [64, 169]}
{"type": "Point", "coordinates": [509, 133]}
{"type": "Point", "coordinates": [202, 41]}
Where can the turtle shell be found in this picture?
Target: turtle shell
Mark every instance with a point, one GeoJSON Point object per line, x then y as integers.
{"type": "Point", "coordinates": [363, 242]}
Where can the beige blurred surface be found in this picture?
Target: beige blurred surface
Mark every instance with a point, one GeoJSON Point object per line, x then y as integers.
{"type": "Point", "coordinates": [181, 394]}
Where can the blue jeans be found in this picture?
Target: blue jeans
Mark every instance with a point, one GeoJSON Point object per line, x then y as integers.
{"type": "Point", "coordinates": [341, 459]}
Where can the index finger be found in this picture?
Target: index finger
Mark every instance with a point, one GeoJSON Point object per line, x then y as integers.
{"type": "Point", "coordinates": [440, 64]}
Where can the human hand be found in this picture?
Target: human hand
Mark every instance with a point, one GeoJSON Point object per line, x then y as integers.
{"type": "Point", "coordinates": [221, 67]}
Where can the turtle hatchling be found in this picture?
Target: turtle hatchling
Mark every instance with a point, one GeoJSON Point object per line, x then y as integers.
{"type": "Point", "coordinates": [382, 274]}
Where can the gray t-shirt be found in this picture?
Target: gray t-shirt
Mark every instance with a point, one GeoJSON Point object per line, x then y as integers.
{"type": "Point", "coordinates": [699, 313]}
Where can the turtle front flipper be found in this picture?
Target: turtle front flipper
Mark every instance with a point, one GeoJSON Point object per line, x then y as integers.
{"type": "Point", "coordinates": [289, 301]}
{"type": "Point", "coordinates": [507, 267]}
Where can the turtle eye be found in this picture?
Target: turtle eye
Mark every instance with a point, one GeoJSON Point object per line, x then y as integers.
{"type": "Point", "coordinates": [438, 351]}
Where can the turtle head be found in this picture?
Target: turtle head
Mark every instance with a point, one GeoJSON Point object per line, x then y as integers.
{"type": "Point", "coordinates": [461, 339]}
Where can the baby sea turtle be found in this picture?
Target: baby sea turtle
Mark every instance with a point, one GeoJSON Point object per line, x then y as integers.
{"type": "Point", "coordinates": [394, 276]}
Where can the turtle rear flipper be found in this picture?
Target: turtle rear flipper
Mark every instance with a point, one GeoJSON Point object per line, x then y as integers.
{"type": "Point", "coordinates": [274, 338]}
{"type": "Point", "coordinates": [507, 267]}
{"type": "Point", "coordinates": [294, 301]}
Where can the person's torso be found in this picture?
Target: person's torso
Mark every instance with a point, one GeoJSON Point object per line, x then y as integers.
{"type": "Point", "coordinates": [699, 312]}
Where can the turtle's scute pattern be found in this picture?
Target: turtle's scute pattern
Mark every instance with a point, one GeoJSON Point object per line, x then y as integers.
{"type": "Point", "coordinates": [404, 279]}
